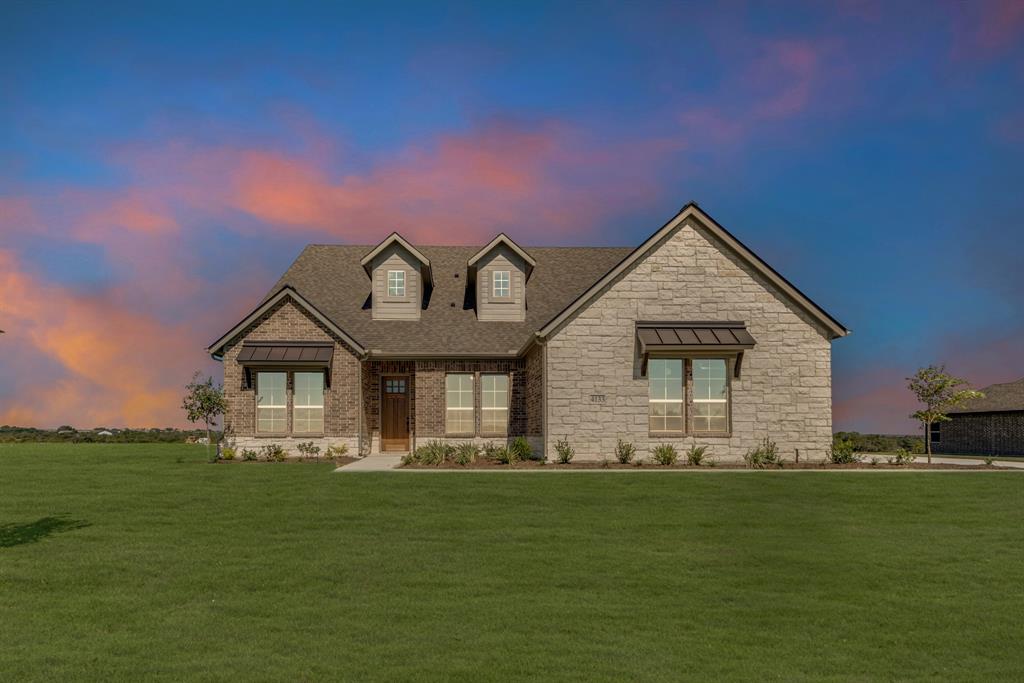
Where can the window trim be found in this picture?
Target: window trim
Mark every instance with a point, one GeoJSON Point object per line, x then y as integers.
{"type": "Point", "coordinates": [322, 406]}
{"type": "Point", "coordinates": [405, 284]}
{"type": "Point", "coordinates": [257, 406]}
{"type": "Point", "coordinates": [727, 400]}
{"type": "Point", "coordinates": [682, 401]}
{"type": "Point", "coordinates": [507, 408]}
{"type": "Point", "coordinates": [688, 393]}
{"type": "Point", "coordinates": [507, 281]}
{"type": "Point", "coordinates": [472, 408]}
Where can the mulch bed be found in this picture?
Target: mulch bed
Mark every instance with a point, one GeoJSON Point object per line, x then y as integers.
{"type": "Point", "coordinates": [338, 462]}
{"type": "Point", "coordinates": [592, 465]}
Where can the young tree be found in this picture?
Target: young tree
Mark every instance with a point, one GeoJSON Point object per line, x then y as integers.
{"type": "Point", "coordinates": [204, 402]}
{"type": "Point", "coordinates": [939, 392]}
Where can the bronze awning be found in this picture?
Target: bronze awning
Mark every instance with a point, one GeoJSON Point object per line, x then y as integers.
{"type": "Point", "coordinates": [689, 337]}
{"type": "Point", "coordinates": [286, 353]}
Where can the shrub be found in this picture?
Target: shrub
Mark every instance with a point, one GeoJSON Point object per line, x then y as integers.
{"type": "Point", "coordinates": [227, 453]}
{"type": "Point", "coordinates": [904, 457]}
{"type": "Point", "coordinates": [665, 454]}
{"type": "Point", "coordinates": [765, 455]}
{"type": "Point", "coordinates": [565, 452]}
{"type": "Point", "coordinates": [504, 455]}
{"type": "Point", "coordinates": [433, 453]}
{"type": "Point", "coordinates": [488, 450]}
{"type": "Point", "coordinates": [273, 452]}
{"type": "Point", "coordinates": [605, 463]}
{"type": "Point", "coordinates": [521, 447]}
{"type": "Point", "coordinates": [336, 451]}
{"type": "Point", "coordinates": [989, 461]}
{"type": "Point", "coordinates": [248, 454]}
{"type": "Point", "coordinates": [466, 453]}
{"type": "Point", "coordinates": [308, 449]}
{"type": "Point", "coordinates": [874, 461]}
{"type": "Point", "coordinates": [408, 458]}
{"type": "Point", "coordinates": [624, 451]}
{"type": "Point", "coordinates": [842, 453]}
{"type": "Point", "coordinates": [695, 455]}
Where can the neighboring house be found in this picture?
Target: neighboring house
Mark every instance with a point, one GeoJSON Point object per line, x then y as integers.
{"type": "Point", "coordinates": [993, 425]}
{"type": "Point", "coordinates": [689, 338]}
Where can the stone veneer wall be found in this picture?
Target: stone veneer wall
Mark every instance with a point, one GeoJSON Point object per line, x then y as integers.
{"type": "Point", "coordinates": [784, 391]}
{"type": "Point", "coordinates": [288, 322]}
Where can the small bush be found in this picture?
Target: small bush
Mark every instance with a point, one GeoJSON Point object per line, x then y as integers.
{"type": "Point", "coordinates": [624, 451]}
{"type": "Point", "coordinates": [695, 455]}
{"type": "Point", "coordinates": [273, 452]}
{"type": "Point", "coordinates": [336, 451]}
{"type": "Point", "coordinates": [522, 448]}
{"type": "Point", "coordinates": [765, 455]}
{"type": "Point", "coordinates": [466, 453]}
{"type": "Point", "coordinates": [227, 453]}
{"type": "Point", "coordinates": [904, 457]}
{"type": "Point", "coordinates": [248, 454]}
{"type": "Point", "coordinates": [605, 463]}
{"type": "Point", "coordinates": [842, 453]}
{"type": "Point", "coordinates": [308, 449]}
{"type": "Point", "coordinates": [565, 452]}
{"type": "Point", "coordinates": [504, 455]}
{"type": "Point", "coordinates": [665, 454]}
{"type": "Point", "coordinates": [433, 453]}
{"type": "Point", "coordinates": [488, 450]}
{"type": "Point", "coordinates": [408, 458]}
{"type": "Point", "coordinates": [639, 462]}
{"type": "Point", "coordinates": [989, 461]}
{"type": "Point", "coordinates": [874, 462]}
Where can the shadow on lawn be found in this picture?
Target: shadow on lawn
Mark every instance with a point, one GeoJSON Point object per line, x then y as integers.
{"type": "Point", "coordinates": [33, 532]}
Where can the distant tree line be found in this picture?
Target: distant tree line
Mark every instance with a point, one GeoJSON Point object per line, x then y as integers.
{"type": "Point", "coordinates": [882, 443]}
{"type": "Point", "coordinates": [68, 434]}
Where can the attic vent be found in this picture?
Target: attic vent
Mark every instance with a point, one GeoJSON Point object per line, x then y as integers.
{"type": "Point", "coordinates": [456, 276]}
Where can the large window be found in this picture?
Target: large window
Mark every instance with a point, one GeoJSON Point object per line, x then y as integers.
{"type": "Point", "coordinates": [494, 404]}
{"type": "Point", "coordinates": [271, 402]}
{"type": "Point", "coordinates": [666, 394]}
{"type": "Point", "coordinates": [459, 404]}
{"type": "Point", "coordinates": [309, 403]}
{"type": "Point", "coordinates": [710, 400]}
{"type": "Point", "coordinates": [502, 280]}
{"type": "Point", "coordinates": [396, 283]}
{"type": "Point", "coordinates": [936, 432]}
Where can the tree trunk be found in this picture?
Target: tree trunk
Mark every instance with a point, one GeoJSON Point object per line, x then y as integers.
{"type": "Point", "coordinates": [928, 440]}
{"type": "Point", "coordinates": [209, 441]}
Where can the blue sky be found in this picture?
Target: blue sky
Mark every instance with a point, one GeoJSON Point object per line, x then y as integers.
{"type": "Point", "coordinates": [160, 164]}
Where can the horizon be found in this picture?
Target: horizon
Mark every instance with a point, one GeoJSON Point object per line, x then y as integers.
{"type": "Point", "coordinates": [159, 165]}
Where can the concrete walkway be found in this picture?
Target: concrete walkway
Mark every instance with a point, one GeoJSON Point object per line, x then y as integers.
{"type": "Point", "coordinates": [372, 463]}
{"type": "Point", "coordinates": [1015, 464]}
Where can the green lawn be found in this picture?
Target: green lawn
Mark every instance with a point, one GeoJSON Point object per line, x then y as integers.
{"type": "Point", "coordinates": [124, 562]}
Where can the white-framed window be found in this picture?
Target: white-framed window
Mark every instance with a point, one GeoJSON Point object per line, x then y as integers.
{"type": "Point", "coordinates": [710, 395]}
{"type": "Point", "coordinates": [459, 403]}
{"type": "Point", "coordinates": [308, 403]}
{"type": "Point", "coordinates": [502, 283]}
{"type": "Point", "coordinates": [396, 283]}
{"type": "Point", "coordinates": [494, 404]}
{"type": "Point", "coordinates": [665, 378]}
{"type": "Point", "coordinates": [271, 402]}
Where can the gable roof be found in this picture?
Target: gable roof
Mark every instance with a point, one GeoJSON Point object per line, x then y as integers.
{"type": "Point", "coordinates": [395, 238]}
{"type": "Point", "coordinates": [330, 278]}
{"type": "Point", "coordinates": [998, 398]}
{"type": "Point", "coordinates": [284, 291]}
{"type": "Point", "coordinates": [502, 238]}
{"type": "Point", "coordinates": [691, 210]}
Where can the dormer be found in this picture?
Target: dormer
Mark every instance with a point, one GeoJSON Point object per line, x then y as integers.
{"type": "Point", "coordinates": [499, 273]}
{"type": "Point", "coordinates": [400, 277]}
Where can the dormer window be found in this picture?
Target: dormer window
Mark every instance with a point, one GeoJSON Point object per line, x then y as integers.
{"type": "Point", "coordinates": [396, 283]}
{"type": "Point", "coordinates": [502, 282]}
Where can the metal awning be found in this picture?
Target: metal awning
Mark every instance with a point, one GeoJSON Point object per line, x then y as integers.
{"type": "Point", "coordinates": [286, 353]}
{"type": "Point", "coordinates": [693, 337]}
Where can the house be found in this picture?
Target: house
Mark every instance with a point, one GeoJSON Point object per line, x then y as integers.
{"type": "Point", "coordinates": [993, 425]}
{"type": "Point", "coordinates": [688, 338]}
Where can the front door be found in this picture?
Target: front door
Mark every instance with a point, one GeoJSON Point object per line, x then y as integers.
{"type": "Point", "coordinates": [394, 411]}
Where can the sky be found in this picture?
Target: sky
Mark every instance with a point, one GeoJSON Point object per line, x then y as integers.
{"type": "Point", "coordinates": [161, 165]}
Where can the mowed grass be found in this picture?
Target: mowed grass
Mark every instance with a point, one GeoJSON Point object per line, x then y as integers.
{"type": "Point", "coordinates": [129, 562]}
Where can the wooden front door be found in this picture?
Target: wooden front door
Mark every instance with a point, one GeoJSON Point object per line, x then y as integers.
{"type": "Point", "coordinates": [394, 414]}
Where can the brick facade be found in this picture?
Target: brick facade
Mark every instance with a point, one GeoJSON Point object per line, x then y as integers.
{"type": "Point", "coordinates": [997, 433]}
{"type": "Point", "coordinates": [289, 322]}
{"type": "Point", "coordinates": [596, 394]}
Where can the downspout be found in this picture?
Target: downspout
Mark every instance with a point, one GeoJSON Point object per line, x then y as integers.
{"type": "Point", "coordinates": [359, 414]}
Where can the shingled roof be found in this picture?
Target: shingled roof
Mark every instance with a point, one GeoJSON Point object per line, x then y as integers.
{"type": "Point", "coordinates": [331, 278]}
{"type": "Point", "coordinates": [998, 398]}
